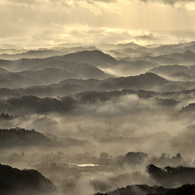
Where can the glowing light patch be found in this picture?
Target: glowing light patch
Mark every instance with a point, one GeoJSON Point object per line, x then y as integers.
{"type": "Point", "coordinates": [86, 165]}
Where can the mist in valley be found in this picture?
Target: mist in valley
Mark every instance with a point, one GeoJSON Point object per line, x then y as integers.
{"type": "Point", "coordinates": [96, 98]}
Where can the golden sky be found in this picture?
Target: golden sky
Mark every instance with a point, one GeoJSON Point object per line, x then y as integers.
{"type": "Point", "coordinates": [41, 23]}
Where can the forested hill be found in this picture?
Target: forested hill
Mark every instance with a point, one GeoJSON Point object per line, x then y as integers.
{"type": "Point", "coordinates": [147, 190]}
{"type": "Point", "coordinates": [20, 137]}
{"type": "Point", "coordinates": [22, 182]}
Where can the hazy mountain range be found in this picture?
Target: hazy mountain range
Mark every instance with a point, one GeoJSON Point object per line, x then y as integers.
{"type": "Point", "coordinates": [98, 116]}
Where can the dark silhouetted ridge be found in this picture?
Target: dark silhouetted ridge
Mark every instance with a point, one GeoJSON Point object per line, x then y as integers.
{"type": "Point", "coordinates": [142, 81]}
{"type": "Point", "coordinates": [20, 137]}
{"type": "Point", "coordinates": [22, 182]}
{"type": "Point", "coordinates": [172, 176]}
{"type": "Point", "coordinates": [147, 190]}
{"type": "Point", "coordinates": [95, 57]}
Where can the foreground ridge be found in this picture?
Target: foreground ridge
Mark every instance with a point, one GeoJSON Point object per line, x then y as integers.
{"type": "Point", "coordinates": [28, 181]}
{"type": "Point", "coordinates": [156, 190]}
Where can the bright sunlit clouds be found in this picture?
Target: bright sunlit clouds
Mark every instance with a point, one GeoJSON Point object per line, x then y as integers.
{"type": "Point", "coordinates": [47, 23]}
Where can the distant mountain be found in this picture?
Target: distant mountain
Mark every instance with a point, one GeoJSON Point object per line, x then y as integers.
{"type": "Point", "coordinates": [55, 74]}
{"type": "Point", "coordinates": [49, 75]}
{"type": "Point", "coordinates": [157, 53]}
{"type": "Point", "coordinates": [123, 50]}
{"type": "Point", "coordinates": [172, 48]}
{"type": "Point", "coordinates": [23, 182]}
{"type": "Point", "coordinates": [42, 52]}
{"type": "Point", "coordinates": [181, 76]}
{"type": "Point", "coordinates": [6, 64]}
{"type": "Point", "coordinates": [3, 71]}
{"type": "Point", "coordinates": [163, 59]}
{"type": "Point", "coordinates": [134, 66]}
{"type": "Point", "coordinates": [103, 96]}
{"type": "Point", "coordinates": [149, 37]}
{"type": "Point", "coordinates": [96, 58]}
{"type": "Point", "coordinates": [132, 45]}
{"type": "Point", "coordinates": [170, 69]}
{"type": "Point", "coordinates": [31, 54]}
{"type": "Point", "coordinates": [82, 70]}
{"type": "Point", "coordinates": [122, 47]}
{"type": "Point", "coordinates": [189, 46]}
{"type": "Point", "coordinates": [21, 64]}
{"type": "Point", "coordinates": [147, 80]}
{"type": "Point", "coordinates": [176, 72]}
{"type": "Point", "coordinates": [72, 49]}
{"type": "Point", "coordinates": [187, 57]}
{"type": "Point", "coordinates": [143, 81]}
{"type": "Point", "coordinates": [169, 48]}
{"type": "Point", "coordinates": [71, 87]}
{"type": "Point", "coordinates": [55, 69]}
{"type": "Point", "coordinates": [79, 82]}
{"type": "Point", "coordinates": [15, 80]}
{"type": "Point", "coordinates": [147, 190]}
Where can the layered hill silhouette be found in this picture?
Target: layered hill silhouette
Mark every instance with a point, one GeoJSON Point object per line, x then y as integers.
{"type": "Point", "coordinates": [31, 54]}
{"type": "Point", "coordinates": [45, 71]}
{"type": "Point", "coordinates": [22, 138]}
{"type": "Point", "coordinates": [96, 58]}
{"type": "Point", "coordinates": [93, 58]}
{"type": "Point", "coordinates": [168, 69]}
{"type": "Point", "coordinates": [179, 72]}
{"type": "Point", "coordinates": [14, 80]}
{"type": "Point", "coordinates": [134, 66]}
{"type": "Point", "coordinates": [171, 181]}
{"type": "Point", "coordinates": [22, 182]}
{"type": "Point", "coordinates": [147, 80]}
{"type": "Point", "coordinates": [172, 176]}
{"type": "Point", "coordinates": [86, 65]}
{"type": "Point", "coordinates": [147, 190]}
{"type": "Point", "coordinates": [33, 104]}
{"type": "Point", "coordinates": [49, 75]}
{"type": "Point", "coordinates": [43, 52]}
{"type": "Point", "coordinates": [187, 57]}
